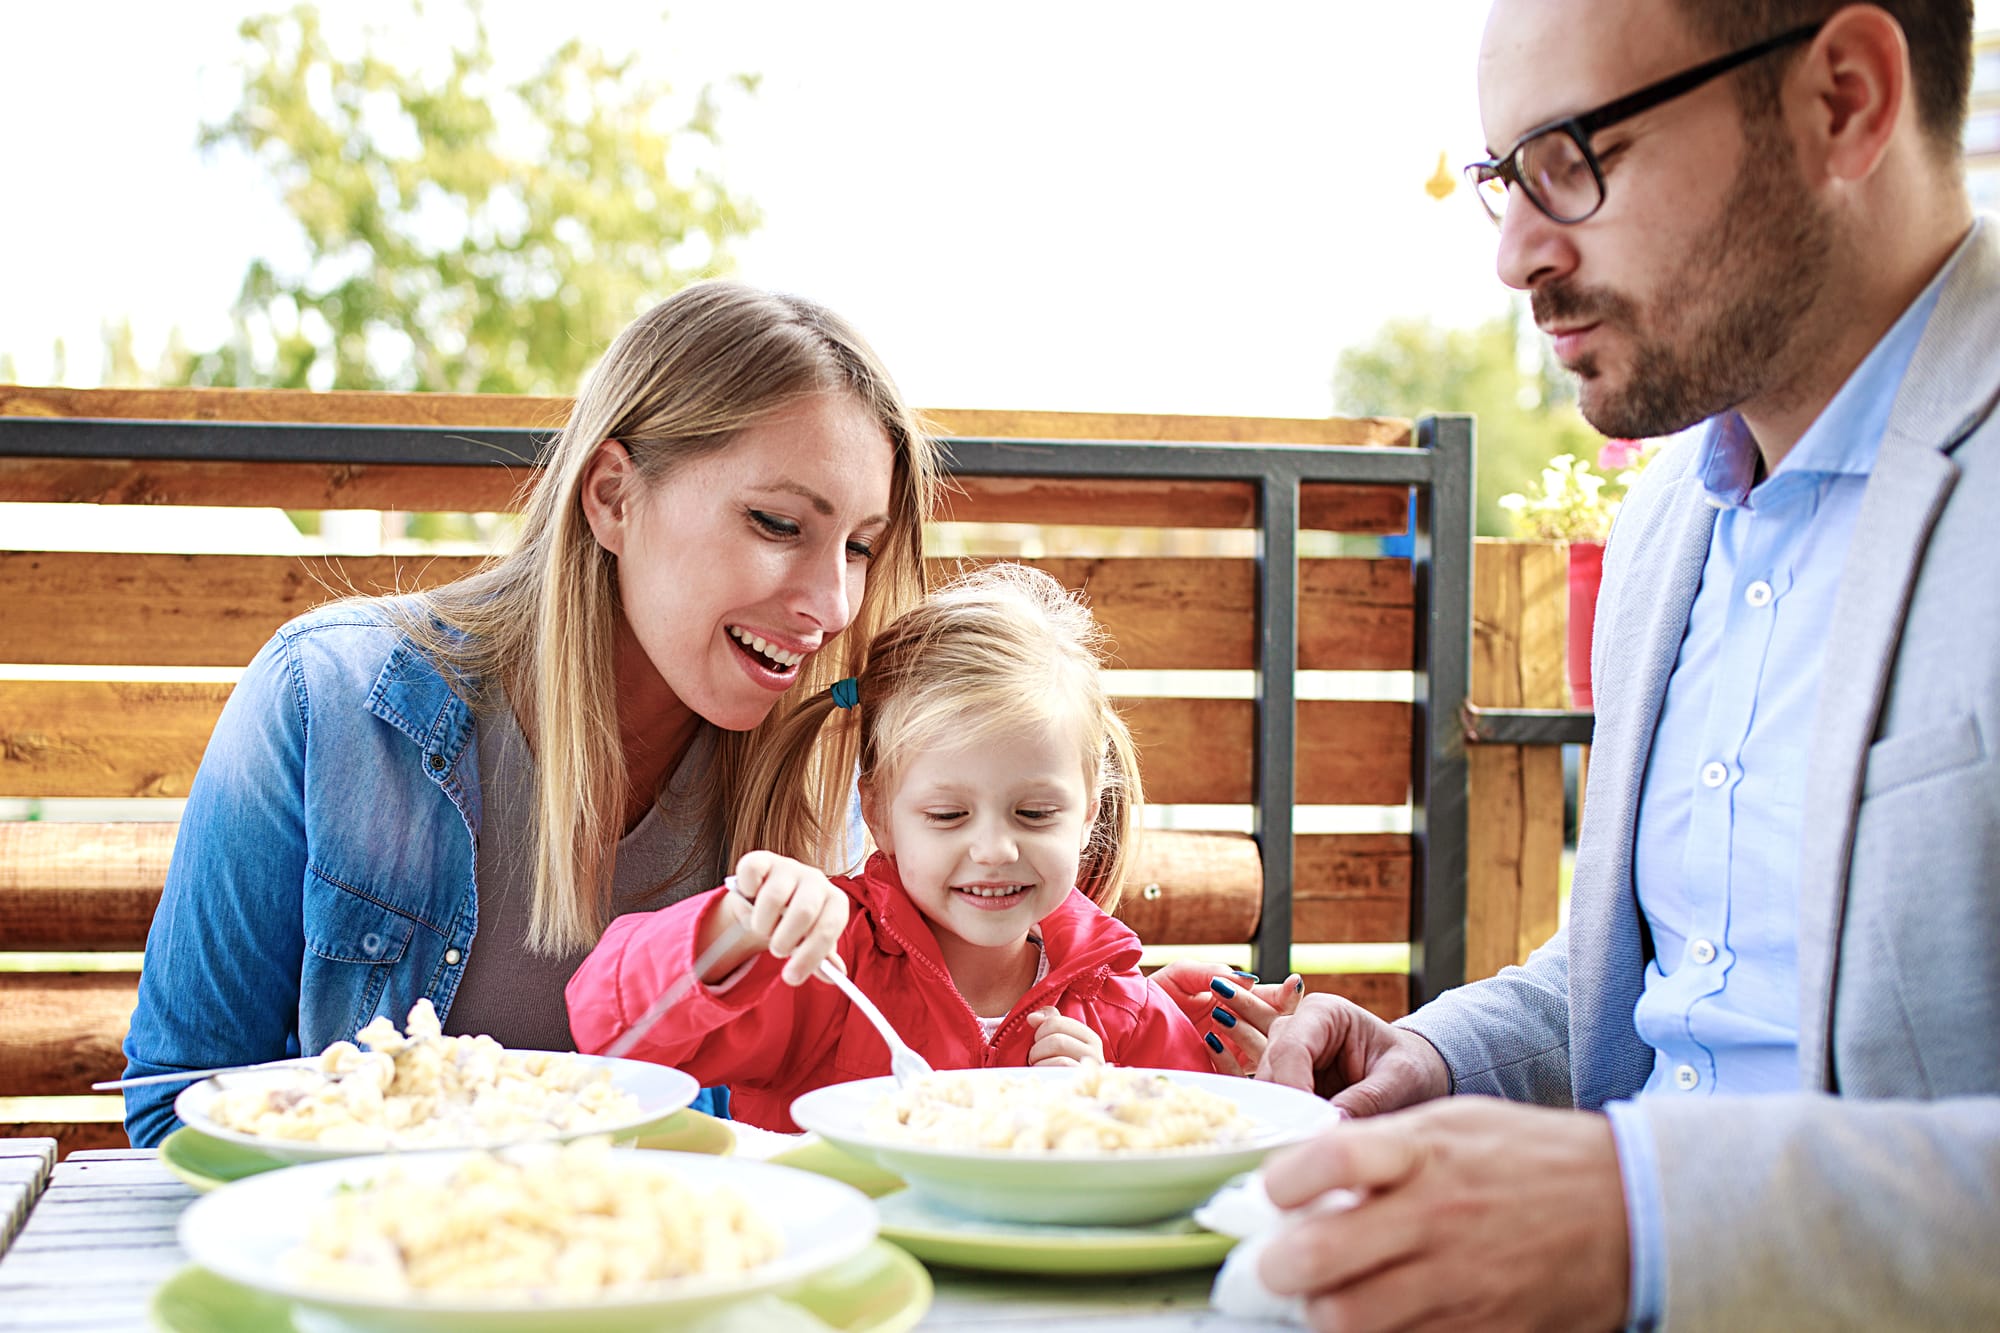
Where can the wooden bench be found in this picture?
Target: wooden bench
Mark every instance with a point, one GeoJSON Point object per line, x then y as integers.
{"type": "Point", "coordinates": [1168, 562]}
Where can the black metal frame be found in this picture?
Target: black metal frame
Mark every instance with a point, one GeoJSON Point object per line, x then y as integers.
{"type": "Point", "coordinates": [1439, 469]}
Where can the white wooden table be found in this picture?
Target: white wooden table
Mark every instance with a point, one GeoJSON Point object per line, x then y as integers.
{"type": "Point", "coordinates": [99, 1239]}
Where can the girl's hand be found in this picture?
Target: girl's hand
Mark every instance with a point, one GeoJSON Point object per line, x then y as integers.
{"type": "Point", "coordinates": [791, 909]}
{"type": "Point", "coordinates": [1231, 1008]}
{"type": "Point", "coordinates": [1062, 1041]}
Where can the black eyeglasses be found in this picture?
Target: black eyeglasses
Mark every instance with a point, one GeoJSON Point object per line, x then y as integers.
{"type": "Point", "coordinates": [1555, 165]}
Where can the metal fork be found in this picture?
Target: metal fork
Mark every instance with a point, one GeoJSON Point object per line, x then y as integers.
{"type": "Point", "coordinates": [904, 1063]}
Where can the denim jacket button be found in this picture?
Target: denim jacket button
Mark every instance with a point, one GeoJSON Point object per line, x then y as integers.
{"type": "Point", "coordinates": [437, 763]}
{"type": "Point", "coordinates": [451, 957]}
{"type": "Point", "coordinates": [371, 944]}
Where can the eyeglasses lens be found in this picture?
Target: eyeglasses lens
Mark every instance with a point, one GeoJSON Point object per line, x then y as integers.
{"type": "Point", "coordinates": [1559, 176]}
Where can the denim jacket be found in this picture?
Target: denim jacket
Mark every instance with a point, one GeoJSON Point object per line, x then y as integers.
{"type": "Point", "coordinates": [324, 870]}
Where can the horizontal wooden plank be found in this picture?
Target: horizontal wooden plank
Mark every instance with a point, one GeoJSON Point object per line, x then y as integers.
{"type": "Point", "coordinates": [70, 1135]}
{"type": "Point", "coordinates": [1106, 503]}
{"type": "Point", "coordinates": [1323, 506]}
{"type": "Point", "coordinates": [122, 481]}
{"type": "Point", "coordinates": [94, 609]}
{"type": "Point", "coordinates": [488, 489]}
{"type": "Point", "coordinates": [89, 886]}
{"type": "Point", "coordinates": [1385, 994]}
{"type": "Point", "coordinates": [122, 738]}
{"type": "Point", "coordinates": [103, 738]}
{"type": "Point", "coordinates": [80, 887]}
{"type": "Point", "coordinates": [98, 609]}
{"type": "Point", "coordinates": [1200, 751]}
{"type": "Point", "coordinates": [545, 413]}
{"type": "Point", "coordinates": [1351, 888]}
{"type": "Point", "coordinates": [60, 1032]}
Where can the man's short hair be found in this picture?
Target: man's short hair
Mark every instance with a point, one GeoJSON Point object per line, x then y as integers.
{"type": "Point", "coordinates": [1939, 33]}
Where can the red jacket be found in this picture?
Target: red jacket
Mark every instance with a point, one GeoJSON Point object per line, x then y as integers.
{"type": "Point", "coordinates": [771, 1042]}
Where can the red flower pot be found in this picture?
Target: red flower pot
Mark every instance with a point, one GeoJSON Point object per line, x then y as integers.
{"type": "Point", "coordinates": [1586, 572]}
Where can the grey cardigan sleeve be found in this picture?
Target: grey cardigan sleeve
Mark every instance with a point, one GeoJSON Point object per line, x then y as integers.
{"type": "Point", "coordinates": [1806, 1210]}
{"type": "Point", "coordinates": [1509, 1034]}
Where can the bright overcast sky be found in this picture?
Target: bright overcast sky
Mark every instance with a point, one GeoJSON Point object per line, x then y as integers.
{"type": "Point", "coordinates": [1120, 206]}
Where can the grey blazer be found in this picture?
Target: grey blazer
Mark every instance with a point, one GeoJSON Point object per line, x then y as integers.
{"type": "Point", "coordinates": [1871, 1196]}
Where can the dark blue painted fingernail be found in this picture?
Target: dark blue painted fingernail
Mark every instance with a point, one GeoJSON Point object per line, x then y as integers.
{"type": "Point", "coordinates": [1214, 1042]}
{"type": "Point", "coordinates": [1224, 1017]}
{"type": "Point", "coordinates": [1222, 988]}
{"type": "Point", "coordinates": [1247, 976]}
{"type": "Point", "coordinates": [1302, 984]}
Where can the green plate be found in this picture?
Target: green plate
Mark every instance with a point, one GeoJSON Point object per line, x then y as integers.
{"type": "Point", "coordinates": [941, 1236]}
{"type": "Point", "coordinates": [880, 1290]}
{"type": "Point", "coordinates": [207, 1163]}
{"type": "Point", "coordinates": [822, 1158]}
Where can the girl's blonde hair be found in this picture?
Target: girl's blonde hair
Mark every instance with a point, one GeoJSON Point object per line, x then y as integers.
{"type": "Point", "coordinates": [678, 384]}
{"type": "Point", "coordinates": [995, 651]}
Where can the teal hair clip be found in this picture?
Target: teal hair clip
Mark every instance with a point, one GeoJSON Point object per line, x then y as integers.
{"type": "Point", "coordinates": [846, 693]}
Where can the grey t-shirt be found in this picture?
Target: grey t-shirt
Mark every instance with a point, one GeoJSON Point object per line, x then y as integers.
{"type": "Point", "coordinates": [512, 995]}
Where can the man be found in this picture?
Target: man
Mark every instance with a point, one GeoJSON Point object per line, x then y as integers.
{"type": "Point", "coordinates": [1780, 980]}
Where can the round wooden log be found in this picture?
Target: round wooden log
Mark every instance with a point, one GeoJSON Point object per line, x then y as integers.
{"type": "Point", "coordinates": [60, 1031]}
{"type": "Point", "coordinates": [76, 887]}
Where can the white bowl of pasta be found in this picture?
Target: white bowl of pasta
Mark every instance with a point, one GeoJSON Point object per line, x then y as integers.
{"type": "Point", "coordinates": [1064, 1145]}
{"type": "Point", "coordinates": [425, 1089]}
{"type": "Point", "coordinates": [539, 1236]}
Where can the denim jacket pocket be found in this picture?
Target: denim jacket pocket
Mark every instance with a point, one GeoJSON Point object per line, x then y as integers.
{"type": "Point", "coordinates": [343, 926]}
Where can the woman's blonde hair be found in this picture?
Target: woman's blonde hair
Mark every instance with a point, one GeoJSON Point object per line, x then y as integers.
{"type": "Point", "coordinates": [678, 384]}
{"type": "Point", "coordinates": [1003, 648]}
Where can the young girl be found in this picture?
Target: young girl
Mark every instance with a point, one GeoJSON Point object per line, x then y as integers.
{"type": "Point", "coordinates": [1002, 791]}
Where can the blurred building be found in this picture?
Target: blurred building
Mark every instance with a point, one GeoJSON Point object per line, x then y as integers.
{"type": "Point", "coordinates": [1982, 129]}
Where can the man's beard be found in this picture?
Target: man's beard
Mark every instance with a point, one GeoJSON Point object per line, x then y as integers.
{"type": "Point", "coordinates": [1724, 318]}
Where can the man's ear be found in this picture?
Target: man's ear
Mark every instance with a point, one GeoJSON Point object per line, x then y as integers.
{"type": "Point", "coordinates": [608, 479]}
{"type": "Point", "coordinates": [1857, 75]}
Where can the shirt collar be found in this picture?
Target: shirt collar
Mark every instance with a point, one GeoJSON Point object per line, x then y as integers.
{"type": "Point", "coordinates": [1847, 434]}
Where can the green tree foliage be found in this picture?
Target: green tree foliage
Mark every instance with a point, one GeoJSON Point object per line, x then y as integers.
{"type": "Point", "coordinates": [1525, 414]}
{"type": "Point", "coordinates": [460, 234]}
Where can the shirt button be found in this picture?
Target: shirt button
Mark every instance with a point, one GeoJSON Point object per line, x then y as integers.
{"type": "Point", "coordinates": [1714, 774]}
{"type": "Point", "coordinates": [451, 957]}
{"type": "Point", "coordinates": [1758, 593]}
{"type": "Point", "coordinates": [1702, 952]}
{"type": "Point", "coordinates": [437, 763]}
{"type": "Point", "coordinates": [1686, 1078]}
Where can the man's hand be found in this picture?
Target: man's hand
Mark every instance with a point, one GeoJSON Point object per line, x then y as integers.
{"type": "Point", "coordinates": [1475, 1214]}
{"type": "Point", "coordinates": [1341, 1051]}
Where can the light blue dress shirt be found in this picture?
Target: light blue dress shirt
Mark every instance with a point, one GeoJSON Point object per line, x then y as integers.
{"type": "Point", "coordinates": [1716, 860]}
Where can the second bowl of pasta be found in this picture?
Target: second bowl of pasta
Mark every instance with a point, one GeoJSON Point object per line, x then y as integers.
{"type": "Point", "coordinates": [1089, 1145]}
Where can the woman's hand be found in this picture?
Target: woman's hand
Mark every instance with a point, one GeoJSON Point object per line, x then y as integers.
{"type": "Point", "coordinates": [1231, 1008]}
{"type": "Point", "coordinates": [789, 908]}
{"type": "Point", "coordinates": [1062, 1041]}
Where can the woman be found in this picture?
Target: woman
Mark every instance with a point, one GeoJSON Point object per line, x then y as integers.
{"type": "Point", "coordinates": [448, 795]}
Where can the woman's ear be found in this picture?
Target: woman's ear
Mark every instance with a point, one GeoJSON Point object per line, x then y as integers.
{"type": "Point", "coordinates": [606, 490]}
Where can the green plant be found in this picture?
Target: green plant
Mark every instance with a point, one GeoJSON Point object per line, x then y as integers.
{"type": "Point", "coordinates": [1574, 502]}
